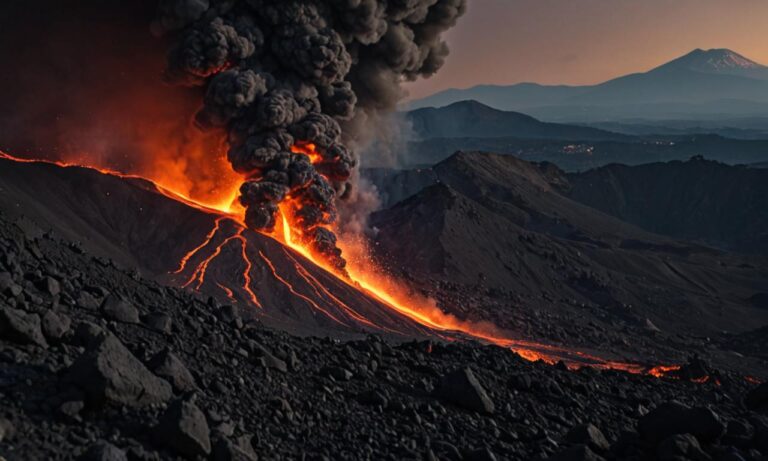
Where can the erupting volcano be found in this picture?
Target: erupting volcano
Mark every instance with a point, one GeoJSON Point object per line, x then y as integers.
{"type": "Point", "coordinates": [288, 86]}
{"type": "Point", "coordinates": [362, 274]}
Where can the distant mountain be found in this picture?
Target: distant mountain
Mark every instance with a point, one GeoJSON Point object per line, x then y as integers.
{"type": "Point", "coordinates": [473, 119]}
{"type": "Point", "coordinates": [481, 222]}
{"type": "Point", "coordinates": [719, 61]}
{"type": "Point", "coordinates": [716, 82]}
{"type": "Point", "coordinates": [702, 200]}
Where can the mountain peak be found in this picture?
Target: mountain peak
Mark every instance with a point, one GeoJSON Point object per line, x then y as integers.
{"type": "Point", "coordinates": [714, 60]}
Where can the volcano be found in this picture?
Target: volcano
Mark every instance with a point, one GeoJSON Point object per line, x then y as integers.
{"type": "Point", "coordinates": [138, 224]}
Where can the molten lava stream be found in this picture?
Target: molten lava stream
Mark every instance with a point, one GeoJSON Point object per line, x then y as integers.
{"type": "Point", "coordinates": [425, 311]}
{"type": "Point", "coordinates": [318, 287]}
{"type": "Point", "coordinates": [296, 293]}
{"type": "Point", "coordinates": [361, 275]}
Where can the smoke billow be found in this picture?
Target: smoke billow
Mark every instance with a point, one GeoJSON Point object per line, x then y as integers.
{"type": "Point", "coordinates": [292, 83]}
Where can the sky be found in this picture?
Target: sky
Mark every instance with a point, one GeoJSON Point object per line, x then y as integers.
{"type": "Point", "coordinates": [589, 41]}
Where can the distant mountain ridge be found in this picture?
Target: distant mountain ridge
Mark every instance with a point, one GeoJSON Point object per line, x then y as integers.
{"type": "Point", "coordinates": [717, 81]}
{"type": "Point", "coordinates": [474, 119]}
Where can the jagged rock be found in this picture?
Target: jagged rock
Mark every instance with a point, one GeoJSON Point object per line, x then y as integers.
{"type": "Point", "coordinates": [85, 300]}
{"type": "Point", "coordinates": [116, 308]}
{"type": "Point", "coordinates": [673, 418]}
{"type": "Point", "coordinates": [681, 446]}
{"type": "Point", "coordinates": [21, 327]}
{"type": "Point", "coordinates": [8, 286]}
{"type": "Point", "coordinates": [104, 451]}
{"type": "Point", "coordinates": [337, 373]}
{"type": "Point", "coordinates": [757, 398]}
{"type": "Point", "coordinates": [228, 314]}
{"type": "Point", "coordinates": [577, 453]}
{"type": "Point", "coordinates": [226, 450]}
{"type": "Point", "coordinates": [266, 358]}
{"type": "Point", "coordinates": [270, 361]}
{"type": "Point", "coordinates": [72, 408]}
{"type": "Point", "coordinates": [168, 366]}
{"type": "Point", "coordinates": [589, 435]}
{"type": "Point", "coordinates": [51, 286]}
{"type": "Point", "coordinates": [161, 323]}
{"type": "Point", "coordinates": [108, 371]}
{"type": "Point", "coordinates": [183, 428]}
{"type": "Point", "coordinates": [6, 429]}
{"type": "Point", "coordinates": [87, 334]}
{"type": "Point", "coordinates": [463, 389]}
{"type": "Point", "coordinates": [55, 326]}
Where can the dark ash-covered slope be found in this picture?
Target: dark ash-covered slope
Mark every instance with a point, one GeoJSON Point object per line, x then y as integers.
{"type": "Point", "coordinates": [699, 199]}
{"type": "Point", "coordinates": [108, 389]}
{"type": "Point", "coordinates": [130, 222]}
{"type": "Point", "coordinates": [493, 237]}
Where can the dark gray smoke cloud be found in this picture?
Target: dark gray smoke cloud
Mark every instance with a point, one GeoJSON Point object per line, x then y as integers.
{"type": "Point", "coordinates": [285, 73]}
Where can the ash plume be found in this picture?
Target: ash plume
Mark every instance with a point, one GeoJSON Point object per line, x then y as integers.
{"type": "Point", "coordinates": [291, 82]}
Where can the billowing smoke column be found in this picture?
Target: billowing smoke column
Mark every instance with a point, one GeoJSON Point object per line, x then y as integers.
{"type": "Point", "coordinates": [283, 77]}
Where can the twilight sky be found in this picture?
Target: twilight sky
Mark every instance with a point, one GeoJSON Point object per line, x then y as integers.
{"type": "Point", "coordinates": [590, 41]}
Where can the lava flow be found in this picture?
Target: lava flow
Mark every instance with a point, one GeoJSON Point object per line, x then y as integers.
{"type": "Point", "coordinates": [361, 274]}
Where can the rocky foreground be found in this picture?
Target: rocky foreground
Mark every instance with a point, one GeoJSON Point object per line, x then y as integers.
{"type": "Point", "coordinates": [98, 364]}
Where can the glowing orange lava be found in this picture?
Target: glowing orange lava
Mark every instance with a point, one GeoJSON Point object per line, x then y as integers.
{"type": "Point", "coordinates": [663, 370]}
{"type": "Point", "coordinates": [201, 270]}
{"type": "Point", "coordinates": [361, 274]}
{"type": "Point", "coordinates": [185, 259]}
{"type": "Point", "coordinates": [296, 293]}
{"type": "Point", "coordinates": [308, 149]}
{"type": "Point", "coordinates": [247, 272]}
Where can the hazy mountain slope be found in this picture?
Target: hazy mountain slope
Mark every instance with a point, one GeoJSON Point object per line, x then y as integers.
{"type": "Point", "coordinates": [703, 82]}
{"type": "Point", "coordinates": [473, 119]}
{"type": "Point", "coordinates": [496, 224]}
{"type": "Point", "coordinates": [696, 200]}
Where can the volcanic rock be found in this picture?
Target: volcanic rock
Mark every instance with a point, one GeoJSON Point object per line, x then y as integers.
{"type": "Point", "coordinates": [104, 451]}
{"type": "Point", "coordinates": [72, 409]}
{"type": "Point", "coordinates": [8, 286]}
{"type": "Point", "coordinates": [589, 435]}
{"type": "Point", "coordinates": [168, 366]}
{"type": "Point", "coordinates": [55, 326]}
{"type": "Point", "coordinates": [108, 371]}
{"type": "Point", "coordinates": [681, 446]}
{"type": "Point", "coordinates": [462, 388]}
{"type": "Point", "coordinates": [761, 433]}
{"type": "Point", "coordinates": [483, 454]}
{"type": "Point", "coordinates": [161, 323]}
{"type": "Point", "coordinates": [88, 334]}
{"type": "Point", "coordinates": [226, 450]}
{"type": "Point", "coordinates": [576, 453]}
{"type": "Point", "coordinates": [267, 360]}
{"type": "Point", "coordinates": [87, 301]}
{"type": "Point", "coordinates": [757, 399]}
{"type": "Point", "coordinates": [338, 373]}
{"type": "Point", "coordinates": [6, 429]}
{"type": "Point", "coordinates": [51, 286]}
{"type": "Point", "coordinates": [21, 327]}
{"type": "Point", "coordinates": [672, 418]}
{"type": "Point", "coordinates": [116, 308]}
{"type": "Point", "coordinates": [229, 314]}
{"type": "Point", "coordinates": [373, 397]}
{"type": "Point", "coordinates": [183, 428]}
